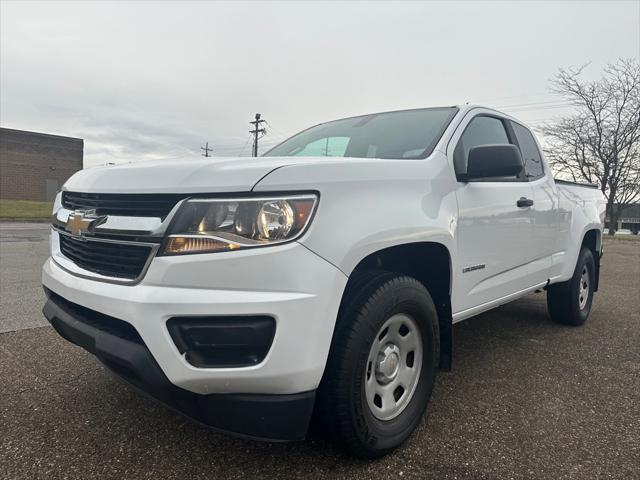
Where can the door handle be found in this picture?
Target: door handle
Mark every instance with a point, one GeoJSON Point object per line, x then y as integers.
{"type": "Point", "coordinates": [524, 202]}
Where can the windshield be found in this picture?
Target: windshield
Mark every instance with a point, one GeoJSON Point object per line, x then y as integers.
{"type": "Point", "coordinates": [407, 134]}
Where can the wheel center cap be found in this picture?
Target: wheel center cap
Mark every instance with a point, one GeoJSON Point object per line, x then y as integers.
{"type": "Point", "coordinates": [388, 363]}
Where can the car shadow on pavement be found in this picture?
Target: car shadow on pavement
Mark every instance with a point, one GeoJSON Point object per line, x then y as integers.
{"type": "Point", "coordinates": [479, 346]}
{"type": "Point", "coordinates": [517, 404]}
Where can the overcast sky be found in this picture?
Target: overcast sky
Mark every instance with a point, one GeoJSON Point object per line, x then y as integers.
{"type": "Point", "coordinates": [158, 79]}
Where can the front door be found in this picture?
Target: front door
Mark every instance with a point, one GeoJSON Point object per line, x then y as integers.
{"type": "Point", "coordinates": [495, 237]}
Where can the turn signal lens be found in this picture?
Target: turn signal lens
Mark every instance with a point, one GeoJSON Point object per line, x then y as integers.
{"type": "Point", "coordinates": [177, 245]}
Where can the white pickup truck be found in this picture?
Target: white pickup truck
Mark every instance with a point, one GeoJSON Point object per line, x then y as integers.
{"type": "Point", "coordinates": [322, 278]}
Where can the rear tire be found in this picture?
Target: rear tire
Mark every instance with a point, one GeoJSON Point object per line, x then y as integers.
{"type": "Point", "coordinates": [381, 366]}
{"type": "Point", "coordinates": [569, 302]}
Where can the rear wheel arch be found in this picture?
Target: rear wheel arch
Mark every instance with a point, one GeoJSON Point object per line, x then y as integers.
{"type": "Point", "coordinates": [427, 262]}
{"type": "Point", "coordinates": [570, 302]}
{"type": "Point", "coordinates": [592, 240]}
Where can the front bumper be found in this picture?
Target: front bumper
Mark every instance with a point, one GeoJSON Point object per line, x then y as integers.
{"type": "Point", "coordinates": [289, 283]}
{"type": "Point", "coordinates": [270, 417]}
{"type": "Point", "coordinates": [300, 290]}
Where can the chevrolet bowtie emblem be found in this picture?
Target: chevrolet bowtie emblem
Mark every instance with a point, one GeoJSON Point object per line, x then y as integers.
{"type": "Point", "coordinates": [84, 221]}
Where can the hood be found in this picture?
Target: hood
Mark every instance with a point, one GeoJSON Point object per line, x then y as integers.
{"type": "Point", "coordinates": [186, 175]}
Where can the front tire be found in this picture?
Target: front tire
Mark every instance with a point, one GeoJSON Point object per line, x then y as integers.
{"type": "Point", "coordinates": [570, 302]}
{"type": "Point", "coordinates": [381, 366]}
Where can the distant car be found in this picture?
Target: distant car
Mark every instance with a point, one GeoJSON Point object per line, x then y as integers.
{"type": "Point", "coordinates": [605, 231]}
{"type": "Point", "coordinates": [623, 231]}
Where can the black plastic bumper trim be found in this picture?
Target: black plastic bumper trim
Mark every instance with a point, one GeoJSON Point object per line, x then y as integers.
{"type": "Point", "coordinates": [223, 341]}
{"type": "Point", "coordinates": [257, 416]}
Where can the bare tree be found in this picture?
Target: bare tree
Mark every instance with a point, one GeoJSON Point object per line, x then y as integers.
{"type": "Point", "coordinates": [600, 141]}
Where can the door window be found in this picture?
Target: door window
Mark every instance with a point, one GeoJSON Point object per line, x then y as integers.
{"type": "Point", "coordinates": [482, 130]}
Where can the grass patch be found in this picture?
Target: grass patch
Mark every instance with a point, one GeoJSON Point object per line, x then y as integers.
{"type": "Point", "coordinates": [24, 210]}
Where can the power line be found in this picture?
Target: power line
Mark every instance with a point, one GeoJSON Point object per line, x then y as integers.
{"type": "Point", "coordinates": [531, 97]}
{"type": "Point", "coordinates": [534, 109]}
{"type": "Point", "coordinates": [279, 133]}
{"type": "Point", "coordinates": [228, 148]}
{"type": "Point", "coordinates": [272, 141]}
{"type": "Point", "coordinates": [533, 104]}
{"type": "Point", "coordinates": [245, 144]}
{"type": "Point", "coordinates": [234, 150]}
{"type": "Point", "coordinates": [539, 94]}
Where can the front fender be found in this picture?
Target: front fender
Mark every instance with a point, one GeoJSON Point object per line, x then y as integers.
{"type": "Point", "coordinates": [366, 206]}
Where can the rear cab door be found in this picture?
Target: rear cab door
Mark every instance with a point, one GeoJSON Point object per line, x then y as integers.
{"type": "Point", "coordinates": [545, 196]}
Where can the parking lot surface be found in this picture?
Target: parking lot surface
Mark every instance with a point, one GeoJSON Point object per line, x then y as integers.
{"type": "Point", "coordinates": [526, 398]}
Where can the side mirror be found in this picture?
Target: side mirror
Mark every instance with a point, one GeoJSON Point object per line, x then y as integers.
{"type": "Point", "coordinates": [489, 161]}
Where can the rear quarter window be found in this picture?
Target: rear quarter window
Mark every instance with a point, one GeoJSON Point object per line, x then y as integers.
{"type": "Point", "coordinates": [533, 167]}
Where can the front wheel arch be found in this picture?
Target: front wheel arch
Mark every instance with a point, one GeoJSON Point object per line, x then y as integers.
{"type": "Point", "coordinates": [427, 262]}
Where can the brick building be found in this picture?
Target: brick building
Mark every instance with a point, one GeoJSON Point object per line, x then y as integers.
{"type": "Point", "coordinates": [629, 218]}
{"type": "Point", "coordinates": [33, 166]}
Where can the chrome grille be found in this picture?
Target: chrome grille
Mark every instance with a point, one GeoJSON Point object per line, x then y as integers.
{"type": "Point", "coordinates": [129, 205]}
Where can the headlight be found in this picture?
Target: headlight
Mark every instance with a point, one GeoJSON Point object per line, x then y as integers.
{"type": "Point", "coordinates": [204, 225]}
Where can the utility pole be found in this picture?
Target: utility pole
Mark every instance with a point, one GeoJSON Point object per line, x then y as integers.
{"type": "Point", "coordinates": [206, 150]}
{"type": "Point", "coordinates": [256, 131]}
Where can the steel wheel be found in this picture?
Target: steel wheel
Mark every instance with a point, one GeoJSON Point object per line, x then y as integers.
{"type": "Point", "coordinates": [583, 288]}
{"type": "Point", "coordinates": [393, 367]}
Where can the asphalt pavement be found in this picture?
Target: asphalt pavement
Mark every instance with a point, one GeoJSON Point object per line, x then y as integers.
{"type": "Point", "coordinates": [526, 398]}
{"type": "Point", "coordinates": [23, 249]}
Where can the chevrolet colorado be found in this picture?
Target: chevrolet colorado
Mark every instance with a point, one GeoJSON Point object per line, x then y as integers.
{"type": "Point", "coordinates": [323, 277]}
